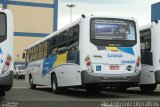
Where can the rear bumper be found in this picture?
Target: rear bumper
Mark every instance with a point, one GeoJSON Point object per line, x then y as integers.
{"type": "Point", "coordinates": [88, 78]}
{"type": "Point", "coordinates": [6, 80]}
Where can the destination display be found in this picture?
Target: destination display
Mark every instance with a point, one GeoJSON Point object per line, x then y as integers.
{"type": "Point", "coordinates": [114, 30]}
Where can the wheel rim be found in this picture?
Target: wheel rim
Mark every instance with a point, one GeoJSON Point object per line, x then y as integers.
{"type": "Point", "coordinates": [54, 84]}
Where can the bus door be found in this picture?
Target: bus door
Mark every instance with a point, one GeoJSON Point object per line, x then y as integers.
{"type": "Point", "coordinates": [147, 74]}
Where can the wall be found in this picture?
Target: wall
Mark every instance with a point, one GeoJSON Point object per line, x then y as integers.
{"type": "Point", "coordinates": [33, 20]}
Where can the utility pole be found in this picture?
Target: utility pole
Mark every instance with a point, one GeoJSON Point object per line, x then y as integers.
{"type": "Point", "coordinates": [71, 6]}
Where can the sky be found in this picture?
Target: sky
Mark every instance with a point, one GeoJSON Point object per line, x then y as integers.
{"type": "Point", "coordinates": [139, 9]}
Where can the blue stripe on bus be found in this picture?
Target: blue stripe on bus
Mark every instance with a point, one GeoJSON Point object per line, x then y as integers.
{"type": "Point", "coordinates": [128, 50]}
{"type": "Point", "coordinates": [30, 34]}
{"type": "Point", "coordinates": [0, 51]}
{"type": "Point", "coordinates": [48, 63]}
{"type": "Point", "coordinates": [45, 5]}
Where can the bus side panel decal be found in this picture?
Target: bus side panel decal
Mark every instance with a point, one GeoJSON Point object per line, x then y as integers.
{"type": "Point", "coordinates": [56, 60]}
{"type": "Point", "coordinates": [47, 64]}
{"type": "Point", "coordinates": [61, 59]}
{"type": "Point", "coordinates": [128, 50]}
{"type": "Point", "coordinates": [0, 51]}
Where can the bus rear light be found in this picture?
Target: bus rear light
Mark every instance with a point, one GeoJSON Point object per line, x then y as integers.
{"type": "Point", "coordinates": [87, 59]}
{"type": "Point", "coordinates": [138, 63]}
{"type": "Point", "coordinates": [88, 64]}
{"type": "Point", "coordinates": [7, 63]}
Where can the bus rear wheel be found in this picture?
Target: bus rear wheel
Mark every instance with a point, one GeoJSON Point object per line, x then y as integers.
{"type": "Point", "coordinates": [55, 88]}
{"type": "Point", "coordinates": [2, 92]}
{"type": "Point", "coordinates": [148, 87]}
{"type": "Point", "coordinates": [32, 86]}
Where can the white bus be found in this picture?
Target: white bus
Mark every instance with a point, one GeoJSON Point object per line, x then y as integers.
{"type": "Point", "coordinates": [92, 52]}
{"type": "Point", "coordinates": [6, 51]}
{"type": "Point", "coordinates": [150, 53]}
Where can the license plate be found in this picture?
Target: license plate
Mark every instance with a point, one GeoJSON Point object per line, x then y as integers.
{"type": "Point", "coordinates": [114, 67]}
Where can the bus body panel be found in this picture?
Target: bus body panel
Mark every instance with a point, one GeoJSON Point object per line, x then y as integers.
{"type": "Point", "coordinates": [156, 50]}
{"type": "Point", "coordinates": [6, 53]}
{"type": "Point", "coordinates": [147, 75]}
{"type": "Point", "coordinates": [68, 75]}
{"type": "Point", "coordinates": [151, 71]}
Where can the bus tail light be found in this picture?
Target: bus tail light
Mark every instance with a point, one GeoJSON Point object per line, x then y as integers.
{"type": "Point", "coordinates": [6, 64]}
{"type": "Point", "coordinates": [138, 64]}
{"type": "Point", "coordinates": [88, 64]}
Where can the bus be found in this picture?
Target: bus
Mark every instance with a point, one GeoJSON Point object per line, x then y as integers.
{"type": "Point", "coordinates": [150, 53]}
{"type": "Point", "coordinates": [91, 53]}
{"type": "Point", "coordinates": [6, 51]}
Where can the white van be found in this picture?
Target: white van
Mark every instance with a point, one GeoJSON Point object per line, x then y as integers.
{"type": "Point", "coordinates": [19, 71]}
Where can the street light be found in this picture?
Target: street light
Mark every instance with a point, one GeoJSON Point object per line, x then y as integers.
{"type": "Point", "coordinates": [71, 6]}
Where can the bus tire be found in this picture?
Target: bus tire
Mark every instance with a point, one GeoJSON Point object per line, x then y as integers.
{"type": "Point", "coordinates": [55, 88]}
{"type": "Point", "coordinates": [2, 92]}
{"type": "Point", "coordinates": [31, 85]}
{"type": "Point", "coordinates": [93, 89]}
{"type": "Point", "coordinates": [148, 87]}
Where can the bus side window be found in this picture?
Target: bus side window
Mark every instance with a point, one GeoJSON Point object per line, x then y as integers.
{"type": "Point", "coordinates": [73, 44]}
{"type": "Point", "coordinates": [53, 45]}
{"type": "Point", "coordinates": [142, 46]}
{"type": "Point", "coordinates": [62, 42]}
{"type": "Point", "coordinates": [46, 43]}
{"type": "Point", "coordinates": [145, 40]}
{"type": "Point", "coordinates": [32, 54]}
{"type": "Point", "coordinates": [73, 37]}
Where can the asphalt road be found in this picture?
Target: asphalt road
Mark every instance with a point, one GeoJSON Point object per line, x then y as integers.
{"type": "Point", "coordinates": [22, 96]}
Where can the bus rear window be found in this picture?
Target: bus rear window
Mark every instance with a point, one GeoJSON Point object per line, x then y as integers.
{"type": "Point", "coordinates": [112, 30]}
{"type": "Point", "coordinates": [3, 27]}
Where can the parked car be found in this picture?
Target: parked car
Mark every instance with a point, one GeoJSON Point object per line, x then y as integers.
{"type": "Point", "coordinates": [19, 71]}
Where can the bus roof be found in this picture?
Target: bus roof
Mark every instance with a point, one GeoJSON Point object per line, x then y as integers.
{"type": "Point", "coordinates": [73, 24]}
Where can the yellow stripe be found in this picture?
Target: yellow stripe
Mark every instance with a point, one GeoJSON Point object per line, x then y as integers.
{"type": "Point", "coordinates": [61, 59]}
{"type": "Point", "coordinates": [112, 48]}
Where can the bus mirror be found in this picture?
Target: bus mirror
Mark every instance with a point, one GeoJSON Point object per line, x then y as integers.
{"type": "Point", "coordinates": [23, 55]}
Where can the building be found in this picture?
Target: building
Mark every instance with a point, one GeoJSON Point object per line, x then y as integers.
{"type": "Point", "coordinates": [33, 19]}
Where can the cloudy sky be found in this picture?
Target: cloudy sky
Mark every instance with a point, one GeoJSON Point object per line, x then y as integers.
{"type": "Point", "coordinates": [139, 9]}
